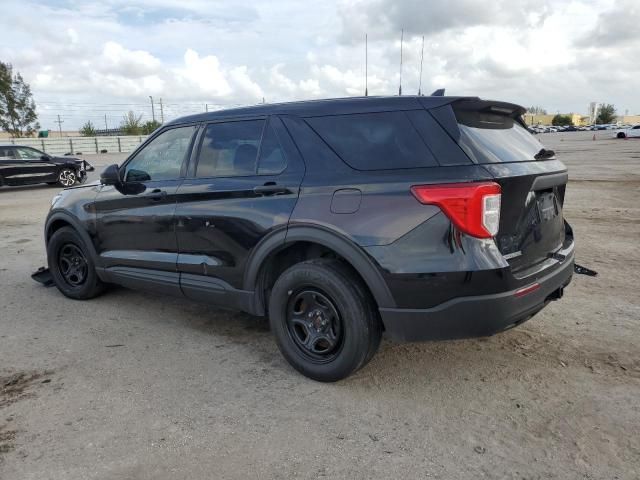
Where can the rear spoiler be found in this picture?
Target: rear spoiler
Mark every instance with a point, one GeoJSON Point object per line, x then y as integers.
{"type": "Point", "coordinates": [445, 114]}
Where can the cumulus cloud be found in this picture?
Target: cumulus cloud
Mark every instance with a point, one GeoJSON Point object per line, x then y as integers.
{"type": "Point", "coordinates": [553, 53]}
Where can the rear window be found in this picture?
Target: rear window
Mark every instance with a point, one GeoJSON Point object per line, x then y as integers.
{"type": "Point", "coordinates": [374, 141]}
{"type": "Point", "coordinates": [494, 138]}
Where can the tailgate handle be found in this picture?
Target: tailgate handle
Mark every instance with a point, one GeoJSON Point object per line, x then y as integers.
{"type": "Point", "coordinates": [547, 181]}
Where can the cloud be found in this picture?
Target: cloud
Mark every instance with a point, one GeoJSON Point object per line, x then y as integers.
{"type": "Point", "coordinates": [96, 58]}
{"type": "Point", "coordinates": [616, 27]}
{"type": "Point", "coordinates": [385, 18]}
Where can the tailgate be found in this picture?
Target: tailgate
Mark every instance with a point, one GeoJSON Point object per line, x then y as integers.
{"type": "Point", "coordinates": [533, 182]}
{"type": "Point", "coordinates": [531, 221]}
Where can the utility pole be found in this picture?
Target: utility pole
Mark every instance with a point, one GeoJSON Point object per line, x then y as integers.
{"type": "Point", "coordinates": [401, 41]}
{"type": "Point", "coordinates": [106, 127]}
{"type": "Point", "coordinates": [206, 107]}
{"type": "Point", "coordinates": [161, 112]}
{"type": "Point", "coordinates": [153, 112]}
{"type": "Point", "coordinates": [59, 122]}
{"type": "Point", "coordinates": [421, 59]}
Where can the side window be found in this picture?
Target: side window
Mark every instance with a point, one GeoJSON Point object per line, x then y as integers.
{"type": "Point", "coordinates": [7, 152]}
{"type": "Point", "coordinates": [374, 141]}
{"type": "Point", "coordinates": [272, 160]}
{"type": "Point", "coordinates": [637, 127]}
{"type": "Point", "coordinates": [230, 149]}
{"type": "Point", "coordinates": [162, 158]}
{"type": "Point", "coordinates": [28, 153]}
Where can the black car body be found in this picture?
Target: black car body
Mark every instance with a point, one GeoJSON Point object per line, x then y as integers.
{"type": "Point", "coordinates": [23, 165]}
{"type": "Point", "coordinates": [441, 216]}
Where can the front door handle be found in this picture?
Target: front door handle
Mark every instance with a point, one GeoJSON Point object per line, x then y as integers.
{"type": "Point", "coordinates": [270, 188]}
{"type": "Point", "coordinates": [157, 195]}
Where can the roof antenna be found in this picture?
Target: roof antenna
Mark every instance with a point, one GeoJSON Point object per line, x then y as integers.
{"type": "Point", "coordinates": [401, 40]}
{"type": "Point", "coordinates": [421, 59]}
{"type": "Point", "coordinates": [438, 93]}
{"type": "Point", "coordinates": [366, 66]}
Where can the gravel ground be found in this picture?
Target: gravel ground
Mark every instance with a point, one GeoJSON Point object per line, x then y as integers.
{"type": "Point", "coordinates": [132, 385]}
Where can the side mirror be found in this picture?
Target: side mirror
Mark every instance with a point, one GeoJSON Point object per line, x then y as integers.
{"type": "Point", "coordinates": [45, 157]}
{"type": "Point", "coordinates": [110, 176]}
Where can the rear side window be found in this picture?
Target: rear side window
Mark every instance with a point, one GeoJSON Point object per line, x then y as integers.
{"type": "Point", "coordinates": [374, 141]}
{"type": "Point", "coordinates": [272, 160]}
{"type": "Point", "coordinates": [230, 149]}
{"type": "Point", "coordinates": [495, 138]}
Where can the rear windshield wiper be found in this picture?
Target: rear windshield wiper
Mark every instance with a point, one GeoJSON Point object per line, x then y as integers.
{"type": "Point", "coordinates": [544, 153]}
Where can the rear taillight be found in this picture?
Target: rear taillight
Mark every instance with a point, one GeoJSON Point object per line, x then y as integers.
{"type": "Point", "coordinates": [473, 208]}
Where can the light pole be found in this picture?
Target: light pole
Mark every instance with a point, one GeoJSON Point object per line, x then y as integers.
{"type": "Point", "coordinates": [153, 113]}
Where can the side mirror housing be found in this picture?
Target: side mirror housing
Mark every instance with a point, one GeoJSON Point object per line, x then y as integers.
{"type": "Point", "coordinates": [110, 176]}
{"type": "Point", "coordinates": [45, 157]}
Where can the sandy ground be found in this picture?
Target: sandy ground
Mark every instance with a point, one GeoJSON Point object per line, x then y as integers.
{"type": "Point", "coordinates": [135, 386]}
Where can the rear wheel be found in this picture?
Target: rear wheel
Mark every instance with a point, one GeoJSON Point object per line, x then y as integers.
{"type": "Point", "coordinates": [71, 265]}
{"type": "Point", "coordinates": [324, 320]}
{"type": "Point", "coordinates": [67, 177]}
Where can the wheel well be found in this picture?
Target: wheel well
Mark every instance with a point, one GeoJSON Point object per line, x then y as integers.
{"type": "Point", "coordinates": [277, 262]}
{"type": "Point", "coordinates": [55, 226]}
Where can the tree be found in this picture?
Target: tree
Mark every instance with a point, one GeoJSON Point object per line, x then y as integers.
{"type": "Point", "coordinates": [561, 120]}
{"type": "Point", "coordinates": [88, 130]}
{"type": "Point", "coordinates": [606, 113]}
{"type": "Point", "coordinates": [535, 110]}
{"type": "Point", "coordinates": [131, 124]}
{"type": "Point", "coordinates": [17, 108]}
{"type": "Point", "coordinates": [150, 126]}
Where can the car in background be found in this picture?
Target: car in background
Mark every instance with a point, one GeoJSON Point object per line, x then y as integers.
{"type": "Point", "coordinates": [23, 165]}
{"type": "Point", "coordinates": [629, 132]}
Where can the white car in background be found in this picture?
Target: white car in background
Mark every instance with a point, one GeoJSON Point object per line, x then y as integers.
{"type": "Point", "coordinates": [629, 132]}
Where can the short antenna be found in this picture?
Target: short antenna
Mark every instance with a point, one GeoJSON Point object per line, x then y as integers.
{"type": "Point", "coordinates": [421, 60]}
{"type": "Point", "coordinates": [366, 66]}
{"type": "Point", "coordinates": [401, 41]}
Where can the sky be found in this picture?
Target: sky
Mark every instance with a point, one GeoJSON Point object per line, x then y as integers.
{"type": "Point", "coordinates": [88, 59]}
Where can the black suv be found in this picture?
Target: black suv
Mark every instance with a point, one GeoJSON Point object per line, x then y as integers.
{"type": "Point", "coordinates": [422, 217]}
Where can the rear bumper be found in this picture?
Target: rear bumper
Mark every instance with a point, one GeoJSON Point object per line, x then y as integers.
{"type": "Point", "coordinates": [476, 316]}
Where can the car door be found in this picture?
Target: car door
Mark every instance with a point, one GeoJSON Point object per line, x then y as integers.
{"type": "Point", "coordinates": [243, 185]}
{"type": "Point", "coordinates": [9, 165]}
{"type": "Point", "coordinates": [135, 233]}
{"type": "Point", "coordinates": [36, 165]}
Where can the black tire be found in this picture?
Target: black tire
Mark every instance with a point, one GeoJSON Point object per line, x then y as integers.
{"type": "Point", "coordinates": [621, 135]}
{"type": "Point", "coordinates": [67, 177]}
{"type": "Point", "coordinates": [354, 325]}
{"type": "Point", "coordinates": [75, 280]}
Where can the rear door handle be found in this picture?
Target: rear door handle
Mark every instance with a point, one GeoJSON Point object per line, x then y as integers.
{"type": "Point", "coordinates": [157, 195]}
{"type": "Point", "coordinates": [270, 189]}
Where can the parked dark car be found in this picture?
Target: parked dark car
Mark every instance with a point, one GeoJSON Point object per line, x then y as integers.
{"type": "Point", "coordinates": [423, 217]}
{"type": "Point", "coordinates": [22, 165]}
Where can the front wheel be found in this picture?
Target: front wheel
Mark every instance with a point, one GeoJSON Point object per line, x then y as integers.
{"type": "Point", "coordinates": [324, 319]}
{"type": "Point", "coordinates": [67, 177]}
{"type": "Point", "coordinates": [71, 265]}
{"type": "Point", "coordinates": [621, 135]}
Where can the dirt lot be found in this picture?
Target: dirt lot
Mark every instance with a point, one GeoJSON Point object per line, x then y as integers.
{"type": "Point", "coordinates": [132, 385]}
